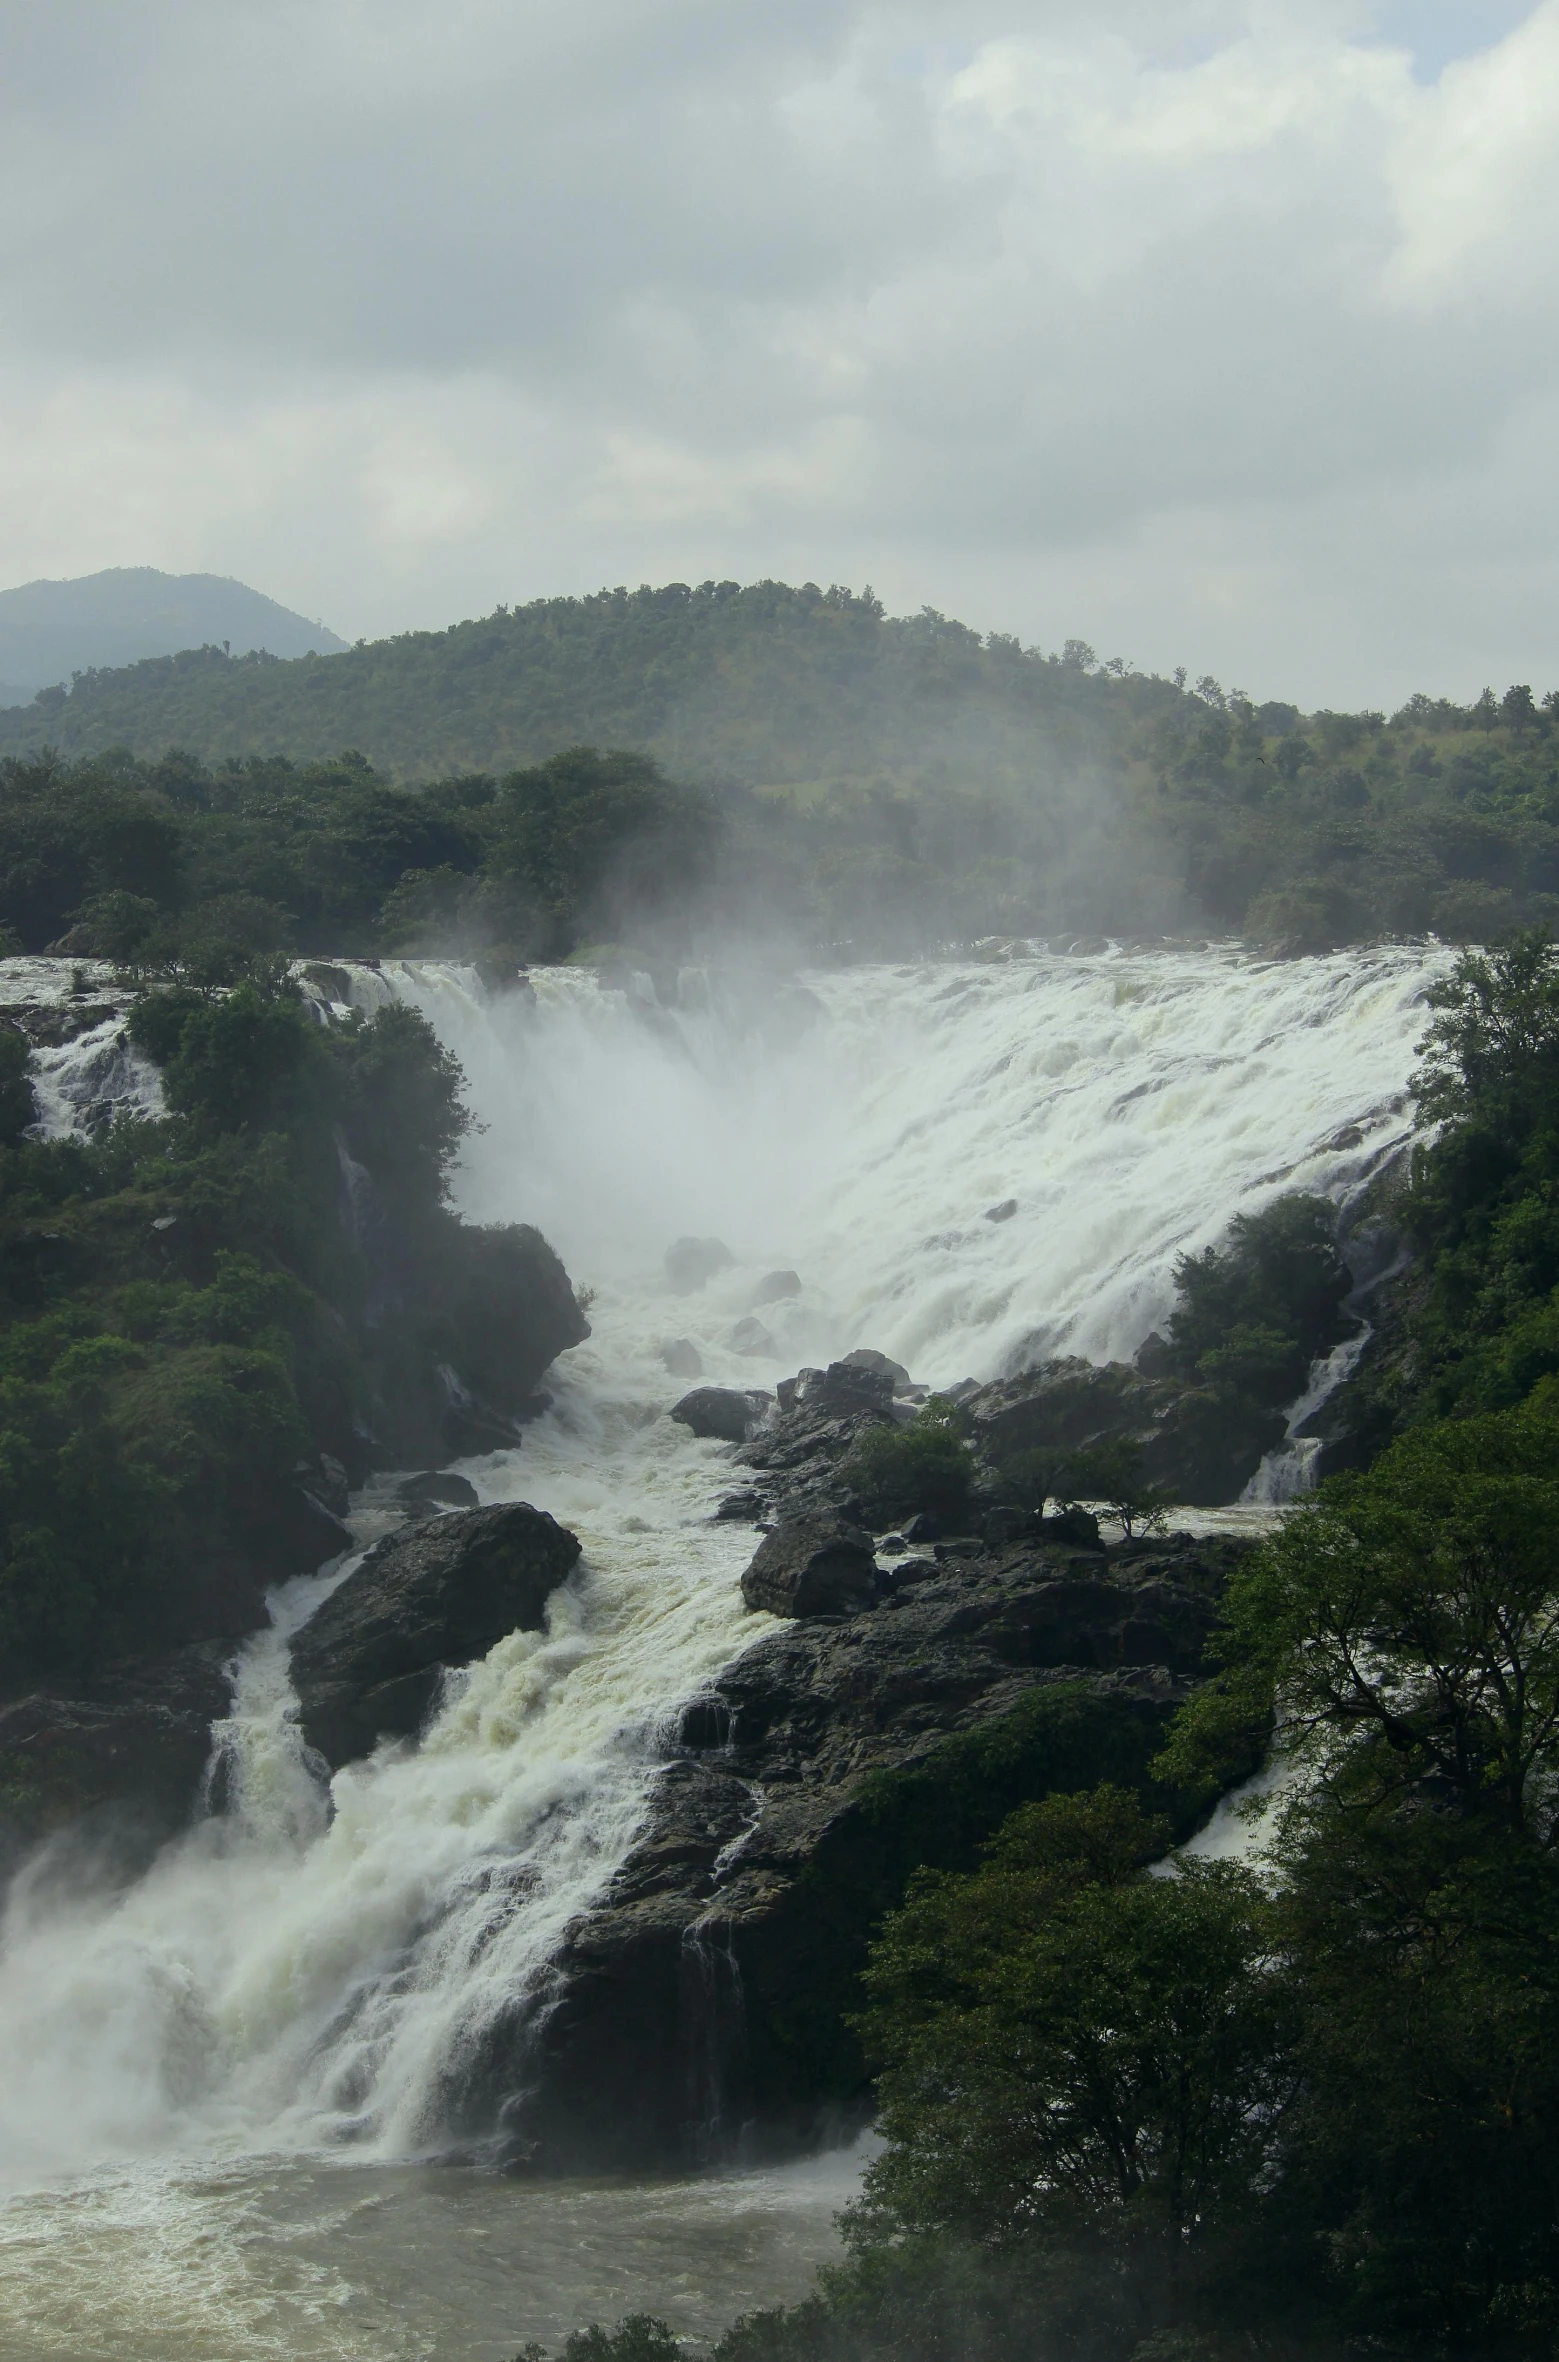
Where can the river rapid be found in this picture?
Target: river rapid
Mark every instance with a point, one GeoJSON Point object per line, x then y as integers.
{"type": "Point", "coordinates": [224, 2088]}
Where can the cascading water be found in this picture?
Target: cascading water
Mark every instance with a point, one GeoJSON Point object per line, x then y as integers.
{"type": "Point", "coordinates": [289, 1984]}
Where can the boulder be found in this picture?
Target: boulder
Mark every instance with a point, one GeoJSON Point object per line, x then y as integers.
{"type": "Point", "coordinates": [681, 1357]}
{"type": "Point", "coordinates": [776, 1286]}
{"type": "Point", "coordinates": [1002, 1213]}
{"type": "Point", "coordinates": [439, 1484]}
{"type": "Point", "coordinates": [697, 2008]}
{"type": "Point", "coordinates": [369, 1663]}
{"type": "Point", "coordinates": [691, 1262]}
{"type": "Point", "coordinates": [812, 1566]}
{"type": "Point", "coordinates": [728, 1413]}
{"type": "Point", "coordinates": [865, 1358]}
{"type": "Point", "coordinates": [751, 1337]}
{"type": "Point", "coordinates": [124, 1755]}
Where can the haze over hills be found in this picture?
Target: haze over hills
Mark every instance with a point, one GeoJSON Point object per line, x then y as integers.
{"type": "Point", "coordinates": [49, 630]}
{"type": "Point", "coordinates": [899, 780]}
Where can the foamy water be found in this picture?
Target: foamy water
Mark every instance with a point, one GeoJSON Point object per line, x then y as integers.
{"type": "Point", "coordinates": [294, 1992]}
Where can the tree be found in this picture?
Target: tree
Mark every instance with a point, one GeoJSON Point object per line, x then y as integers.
{"type": "Point", "coordinates": [1516, 708]}
{"type": "Point", "coordinates": [927, 1466]}
{"type": "Point", "coordinates": [1074, 2051]}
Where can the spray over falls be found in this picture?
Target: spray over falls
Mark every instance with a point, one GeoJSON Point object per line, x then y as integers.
{"type": "Point", "coordinates": [969, 1167]}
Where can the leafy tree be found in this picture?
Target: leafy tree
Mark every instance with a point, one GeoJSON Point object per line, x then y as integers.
{"type": "Point", "coordinates": [1254, 1312]}
{"type": "Point", "coordinates": [926, 1466]}
{"type": "Point", "coordinates": [1075, 2052]}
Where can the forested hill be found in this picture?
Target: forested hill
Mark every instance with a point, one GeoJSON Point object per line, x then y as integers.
{"type": "Point", "coordinates": [757, 686]}
{"type": "Point", "coordinates": [895, 779]}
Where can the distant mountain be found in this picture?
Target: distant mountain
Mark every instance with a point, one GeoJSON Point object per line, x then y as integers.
{"type": "Point", "coordinates": [50, 630]}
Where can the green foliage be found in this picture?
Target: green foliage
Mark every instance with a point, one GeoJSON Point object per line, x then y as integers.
{"type": "Point", "coordinates": [926, 1466]}
{"type": "Point", "coordinates": [17, 1106]}
{"type": "Point", "coordinates": [938, 1812]}
{"type": "Point", "coordinates": [1403, 1627]}
{"type": "Point", "coordinates": [895, 780]}
{"type": "Point", "coordinates": [1255, 1311]}
{"type": "Point", "coordinates": [1072, 2048]}
{"type": "Point", "coordinates": [196, 1314]}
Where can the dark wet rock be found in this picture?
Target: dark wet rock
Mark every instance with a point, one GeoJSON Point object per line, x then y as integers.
{"type": "Point", "coordinates": [922, 1529]}
{"type": "Point", "coordinates": [1002, 1213]}
{"type": "Point", "coordinates": [865, 1357]}
{"type": "Point", "coordinates": [440, 1484]}
{"type": "Point", "coordinates": [493, 1309]}
{"type": "Point", "coordinates": [776, 1286]}
{"type": "Point", "coordinates": [121, 1756]}
{"type": "Point", "coordinates": [751, 1337]}
{"type": "Point", "coordinates": [1197, 1445]}
{"type": "Point", "coordinates": [798, 1456]}
{"type": "Point", "coordinates": [729, 1413]}
{"type": "Point", "coordinates": [691, 1262]}
{"type": "Point", "coordinates": [682, 1359]}
{"type": "Point", "coordinates": [370, 1662]}
{"type": "Point", "coordinates": [740, 1509]}
{"type": "Point", "coordinates": [812, 1566]}
{"type": "Point", "coordinates": [681, 1999]}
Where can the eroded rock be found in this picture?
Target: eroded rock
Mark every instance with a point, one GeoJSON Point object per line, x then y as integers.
{"type": "Point", "coordinates": [369, 1663]}
{"type": "Point", "coordinates": [812, 1566]}
{"type": "Point", "coordinates": [729, 1413]}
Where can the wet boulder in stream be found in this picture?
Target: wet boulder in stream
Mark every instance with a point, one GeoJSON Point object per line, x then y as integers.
{"type": "Point", "coordinates": [817, 1565]}
{"type": "Point", "coordinates": [369, 1663]}
{"type": "Point", "coordinates": [728, 1413]}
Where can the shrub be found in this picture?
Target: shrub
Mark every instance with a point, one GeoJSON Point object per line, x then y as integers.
{"type": "Point", "coordinates": [925, 1467]}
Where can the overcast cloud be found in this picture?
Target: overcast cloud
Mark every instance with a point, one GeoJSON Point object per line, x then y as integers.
{"type": "Point", "coordinates": [1224, 335]}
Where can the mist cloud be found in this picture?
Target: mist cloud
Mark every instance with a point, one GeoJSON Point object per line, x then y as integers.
{"type": "Point", "coordinates": [1219, 334]}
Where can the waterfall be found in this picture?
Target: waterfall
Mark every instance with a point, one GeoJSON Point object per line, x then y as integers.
{"type": "Point", "coordinates": [300, 1972]}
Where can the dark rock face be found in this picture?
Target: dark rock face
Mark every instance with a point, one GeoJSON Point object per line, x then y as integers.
{"type": "Point", "coordinates": [796, 1457]}
{"type": "Point", "coordinates": [125, 1756]}
{"type": "Point", "coordinates": [439, 1484]}
{"type": "Point", "coordinates": [660, 2042]}
{"type": "Point", "coordinates": [729, 1413]}
{"type": "Point", "coordinates": [691, 1262]}
{"type": "Point", "coordinates": [1193, 1443]}
{"type": "Point", "coordinates": [812, 1566]}
{"type": "Point", "coordinates": [865, 1358]}
{"type": "Point", "coordinates": [491, 1310]}
{"type": "Point", "coordinates": [369, 1663]}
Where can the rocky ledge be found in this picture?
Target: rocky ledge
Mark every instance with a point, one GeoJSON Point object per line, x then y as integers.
{"type": "Point", "coordinates": [703, 2002]}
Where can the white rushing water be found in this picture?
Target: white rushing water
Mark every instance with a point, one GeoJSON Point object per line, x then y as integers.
{"type": "Point", "coordinates": [292, 1982]}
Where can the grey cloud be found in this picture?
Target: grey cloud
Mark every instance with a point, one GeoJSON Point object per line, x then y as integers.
{"type": "Point", "coordinates": [399, 308]}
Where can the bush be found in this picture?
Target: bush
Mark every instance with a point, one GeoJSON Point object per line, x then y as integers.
{"type": "Point", "coordinates": [926, 1467]}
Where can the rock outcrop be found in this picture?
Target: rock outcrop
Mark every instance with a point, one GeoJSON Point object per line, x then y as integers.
{"type": "Point", "coordinates": [797, 1457]}
{"type": "Point", "coordinates": [727, 1413]}
{"type": "Point", "coordinates": [122, 1756]}
{"type": "Point", "coordinates": [812, 1566]}
{"type": "Point", "coordinates": [370, 1662]}
{"type": "Point", "coordinates": [708, 1990]}
{"type": "Point", "coordinates": [1198, 1445]}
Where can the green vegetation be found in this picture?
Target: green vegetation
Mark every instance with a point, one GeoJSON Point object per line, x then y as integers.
{"type": "Point", "coordinates": [806, 2048]}
{"type": "Point", "coordinates": [896, 781]}
{"type": "Point", "coordinates": [1307, 2108]}
{"type": "Point", "coordinates": [926, 1466]}
{"type": "Point", "coordinates": [171, 871]}
{"type": "Point", "coordinates": [193, 1307]}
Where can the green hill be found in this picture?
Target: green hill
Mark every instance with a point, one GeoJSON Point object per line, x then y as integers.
{"type": "Point", "coordinates": [892, 780]}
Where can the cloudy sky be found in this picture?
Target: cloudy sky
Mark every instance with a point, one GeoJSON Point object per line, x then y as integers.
{"type": "Point", "coordinates": [1218, 334]}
